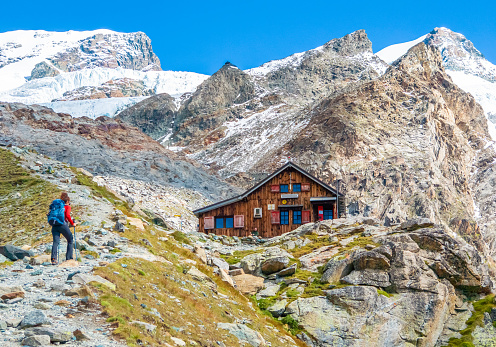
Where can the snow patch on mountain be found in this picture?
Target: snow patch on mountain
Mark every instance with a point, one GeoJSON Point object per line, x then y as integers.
{"type": "Point", "coordinates": [21, 50]}
{"type": "Point", "coordinates": [46, 89]}
{"type": "Point", "coordinates": [95, 108]}
{"type": "Point", "coordinates": [393, 52]}
{"type": "Point", "coordinates": [248, 140]}
{"type": "Point", "coordinates": [293, 60]}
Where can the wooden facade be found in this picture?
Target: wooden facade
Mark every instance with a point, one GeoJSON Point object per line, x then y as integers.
{"type": "Point", "coordinates": [286, 199]}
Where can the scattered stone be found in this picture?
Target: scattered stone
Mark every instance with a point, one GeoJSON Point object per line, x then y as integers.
{"type": "Point", "coordinates": [33, 319]}
{"type": "Point", "coordinates": [236, 272]}
{"type": "Point", "coordinates": [220, 263]}
{"type": "Point", "coordinates": [15, 253]}
{"type": "Point", "coordinates": [417, 223]}
{"type": "Point", "coordinates": [291, 270]}
{"type": "Point", "coordinates": [3, 325]}
{"type": "Point", "coordinates": [103, 263]}
{"type": "Point", "coordinates": [13, 295]}
{"type": "Point", "coordinates": [80, 335]}
{"type": "Point", "coordinates": [248, 284]}
{"type": "Point", "coordinates": [278, 308]}
{"type": "Point", "coordinates": [40, 259]}
{"type": "Point", "coordinates": [138, 223]}
{"type": "Point", "coordinates": [319, 257]}
{"type": "Point", "coordinates": [201, 277]}
{"type": "Point", "coordinates": [13, 322]}
{"type": "Point", "coordinates": [147, 326]}
{"type": "Point", "coordinates": [244, 333]}
{"type": "Point", "coordinates": [275, 264]}
{"type": "Point", "coordinates": [177, 341]}
{"type": "Point", "coordinates": [271, 290]}
{"type": "Point", "coordinates": [55, 335]}
{"type": "Point", "coordinates": [42, 306]}
{"type": "Point", "coordinates": [200, 253]}
{"type": "Point", "coordinates": [119, 227]}
{"type": "Point", "coordinates": [37, 272]}
{"type": "Point", "coordinates": [87, 278]}
{"type": "Point", "coordinates": [36, 340]}
{"type": "Point", "coordinates": [62, 303]}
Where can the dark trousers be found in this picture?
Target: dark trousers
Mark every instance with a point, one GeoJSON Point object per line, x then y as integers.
{"type": "Point", "coordinates": [66, 232]}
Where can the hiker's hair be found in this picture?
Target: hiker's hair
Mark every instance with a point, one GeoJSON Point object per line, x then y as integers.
{"type": "Point", "coordinates": [65, 197]}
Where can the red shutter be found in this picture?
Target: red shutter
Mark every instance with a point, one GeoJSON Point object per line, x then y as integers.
{"type": "Point", "coordinates": [305, 187]}
{"type": "Point", "coordinates": [208, 223]}
{"type": "Point", "coordinates": [239, 221]}
{"type": "Point", "coordinates": [275, 217]}
{"type": "Point", "coordinates": [274, 188]}
{"type": "Point", "coordinates": [305, 217]}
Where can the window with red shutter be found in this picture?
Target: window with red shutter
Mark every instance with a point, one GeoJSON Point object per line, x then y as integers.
{"type": "Point", "coordinates": [274, 188]}
{"type": "Point", "coordinates": [305, 187]}
{"type": "Point", "coordinates": [305, 217]}
{"type": "Point", "coordinates": [208, 223]}
{"type": "Point", "coordinates": [275, 217]}
{"type": "Point", "coordinates": [239, 221]}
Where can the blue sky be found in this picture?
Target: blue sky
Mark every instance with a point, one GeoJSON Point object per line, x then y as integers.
{"type": "Point", "coordinates": [200, 36]}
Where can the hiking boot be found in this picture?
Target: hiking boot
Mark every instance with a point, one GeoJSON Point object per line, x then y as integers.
{"type": "Point", "coordinates": [54, 262]}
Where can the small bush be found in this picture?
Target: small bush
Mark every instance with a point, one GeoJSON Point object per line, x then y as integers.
{"type": "Point", "coordinates": [293, 325]}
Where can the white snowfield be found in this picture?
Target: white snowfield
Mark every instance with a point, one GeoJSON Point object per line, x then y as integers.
{"type": "Point", "coordinates": [94, 108]}
{"type": "Point", "coordinates": [46, 89]}
{"type": "Point", "coordinates": [393, 52]}
{"type": "Point", "coordinates": [21, 50]}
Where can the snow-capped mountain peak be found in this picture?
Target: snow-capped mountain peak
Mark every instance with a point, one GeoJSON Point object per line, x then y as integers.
{"type": "Point", "coordinates": [465, 64]}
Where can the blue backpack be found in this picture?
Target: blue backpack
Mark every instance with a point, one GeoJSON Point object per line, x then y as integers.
{"type": "Point", "coordinates": [56, 215]}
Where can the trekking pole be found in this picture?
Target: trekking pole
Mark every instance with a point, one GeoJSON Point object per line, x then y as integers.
{"type": "Point", "coordinates": [75, 243]}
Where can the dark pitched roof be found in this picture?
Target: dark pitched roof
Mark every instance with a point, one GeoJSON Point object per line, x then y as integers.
{"type": "Point", "coordinates": [261, 183]}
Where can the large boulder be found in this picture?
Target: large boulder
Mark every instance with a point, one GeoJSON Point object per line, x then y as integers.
{"type": "Point", "coordinates": [15, 253]}
{"type": "Point", "coordinates": [367, 277]}
{"type": "Point", "coordinates": [34, 319]}
{"type": "Point", "coordinates": [319, 257]}
{"type": "Point", "coordinates": [54, 334]}
{"type": "Point", "coordinates": [248, 284]}
{"type": "Point", "coordinates": [36, 340]}
{"type": "Point", "coordinates": [274, 264]}
{"type": "Point", "coordinates": [335, 269]}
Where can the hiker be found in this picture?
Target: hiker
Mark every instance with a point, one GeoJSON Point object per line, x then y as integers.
{"type": "Point", "coordinates": [60, 225]}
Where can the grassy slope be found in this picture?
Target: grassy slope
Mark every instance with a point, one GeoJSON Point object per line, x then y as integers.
{"type": "Point", "coordinates": [24, 202]}
{"type": "Point", "coordinates": [189, 309]}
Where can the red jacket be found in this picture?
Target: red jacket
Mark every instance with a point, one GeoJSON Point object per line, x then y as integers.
{"type": "Point", "coordinates": [68, 215]}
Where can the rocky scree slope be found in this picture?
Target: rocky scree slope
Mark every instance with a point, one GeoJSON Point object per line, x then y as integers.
{"type": "Point", "coordinates": [103, 146]}
{"type": "Point", "coordinates": [138, 286]}
{"type": "Point", "coordinates": [355, 282]}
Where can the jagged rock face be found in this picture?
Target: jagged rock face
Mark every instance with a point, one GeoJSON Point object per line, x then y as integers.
{"type": "Point", "coordinates": [43, 69]}
{"type": "Point", "coordinates": [401, 145]}
{"type": "Point", "coordinates": [326, 69]}
{"type": "Point", "coordinates": [154, 116]}
{"type": "Point", "coordinates": [129, 51]}
{"type": "Point", "coordinates": [207, 106]}
{"type": "Point", "coordinates": [122, 87]}
{"type": "Point", "coordinates": [425, 273]}
{"type": "Point", "coordinates": [103, 146]}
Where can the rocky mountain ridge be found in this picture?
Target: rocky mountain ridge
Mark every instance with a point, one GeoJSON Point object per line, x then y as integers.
{"type": "Point", "coordinates": [103, 146]}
